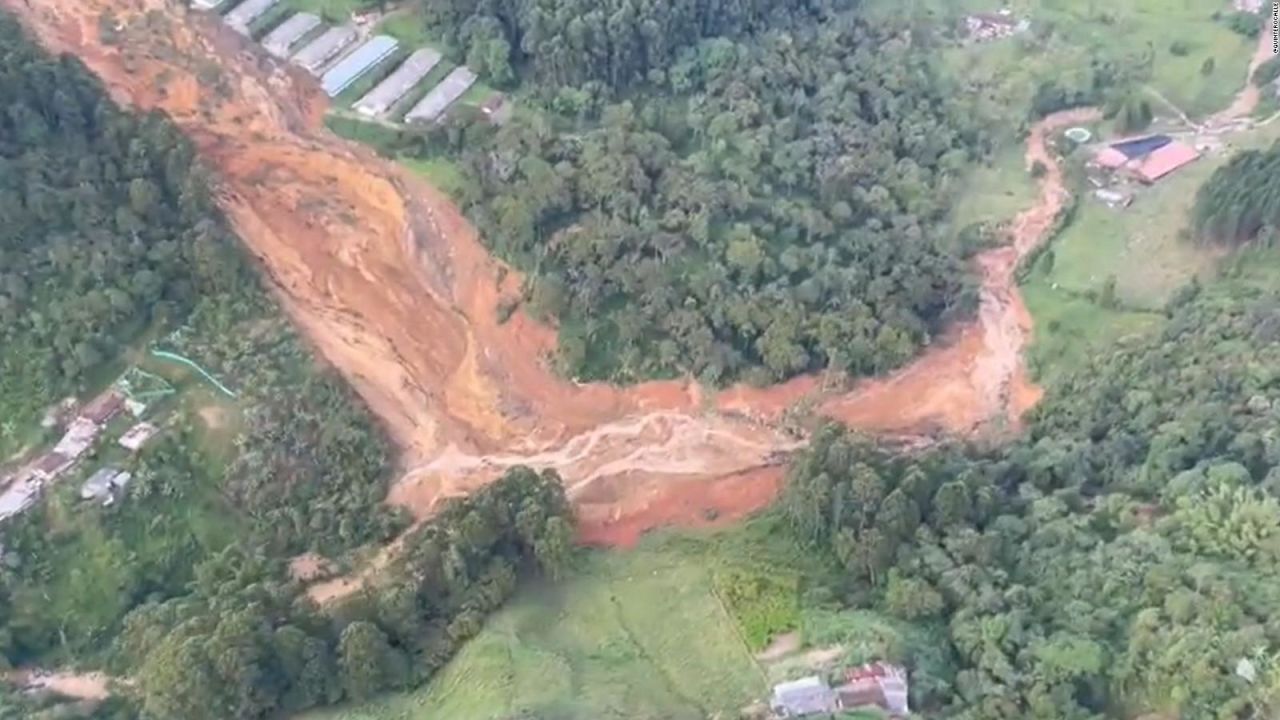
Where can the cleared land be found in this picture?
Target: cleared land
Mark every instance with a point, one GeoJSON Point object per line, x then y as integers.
{"type": "Point", "coordinates": [634, 635]}
{"type": "Point", "coordinates": [1067, 35]}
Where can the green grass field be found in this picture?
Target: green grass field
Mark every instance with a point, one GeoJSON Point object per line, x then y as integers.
{"type": "Point", "coordinates": [1066, 35]}
{"type": "Point", "coordinates": [440, 172]}
{"type": "Point", "coordinates": [634, 635]}
{"type": "Point", "coordinates": [331, 10]}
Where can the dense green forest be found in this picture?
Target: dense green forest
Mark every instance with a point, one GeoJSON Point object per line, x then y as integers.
{"type": "Point", "coordinates": [1120, 559]}
{"type": "Point", "coordinates": [1239, 202]}
{"type": "Point", "coordinates": [752, 196]}
{"type": "Point", "coordinates": [245, 644]}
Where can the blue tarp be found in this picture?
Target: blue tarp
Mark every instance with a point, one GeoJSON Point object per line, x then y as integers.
{"type": "Point", "coordinates": [1142, 146]}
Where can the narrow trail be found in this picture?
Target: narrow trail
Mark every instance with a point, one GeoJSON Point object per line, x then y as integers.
{"type": "Point", "coordinates": [394, 288]}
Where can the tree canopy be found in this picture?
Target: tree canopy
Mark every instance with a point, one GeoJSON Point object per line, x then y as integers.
{"type": "Point", "coordinates": [764, 203]}
{"type": "Point", "coordinates": [1116, 561]}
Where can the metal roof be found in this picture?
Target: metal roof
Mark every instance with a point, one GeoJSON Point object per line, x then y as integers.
{"type": "Point", "coordinates": [207, 5]}
{"type": "Point", "coordinates": [278, 41]}
{"type": "Point", "coordinates": [380, 99]}
{"type": "Point", "coordinates": [1165, 160]}
{"type": "Point", "coordinates": [246, 12]}
{"type": "Point", "coordinates": [316, 53]}
{"type": "Point", "coordinates": [357, 63]}
{"type": "Point", "coordinates": [442, 96]}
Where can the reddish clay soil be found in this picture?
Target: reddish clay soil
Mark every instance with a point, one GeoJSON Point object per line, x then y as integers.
{"type": "Point", "coordinates": [393, 287]}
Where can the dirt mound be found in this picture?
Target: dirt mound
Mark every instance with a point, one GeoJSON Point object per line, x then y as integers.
{"type": "Point", "coordinates": [394, 288]}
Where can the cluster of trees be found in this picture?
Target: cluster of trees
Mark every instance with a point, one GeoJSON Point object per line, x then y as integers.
{"type": "Point", "coordinates": [1240, 200]}
{"type": "Point", "coordinates": [106, 228]}
{"type": "Point", "coordinates": [762, 207]}
{"type": "Point", "coordinates": [573, 43]}
{"type": "Point", "coordinates": [110, 235]}
{"type": "Point", "coordinates": [244, 644]}
{"type": "Point", "coordinates": [1118, 560]}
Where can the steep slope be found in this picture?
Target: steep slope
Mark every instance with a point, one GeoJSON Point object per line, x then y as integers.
{"type": "Point", "coordinates": [393, 287]}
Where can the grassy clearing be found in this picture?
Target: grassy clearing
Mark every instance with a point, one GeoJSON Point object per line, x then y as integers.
{"type": "Point", "coordinates": [409, 28]}
{"type": "Point", "coordinates": [334, 11]}
{"type": "Point", "coordinates": [1066, 35]}
{"type": "Point", "coordinates": [636, 634]}
{"type": "Point", "coordinates": [994, 192]}
{"type": "Point", "coordinates": [440, 172]}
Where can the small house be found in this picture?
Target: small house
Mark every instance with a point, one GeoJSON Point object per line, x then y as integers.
{"type": "Point", "coordinates": [103, 408]}
{"type": "Point", "coordinates": [806, 696]}
{"type": "Point", "coordinates": [993, 26]}
{"type": "Point", "coordinates": [137, 436]}
{"type": "Point", "coordinates": [104, 484]}
{"type": "Point", "coordinates": [879, 685]}
{"type": "Point", "coordinates": [78, 438]}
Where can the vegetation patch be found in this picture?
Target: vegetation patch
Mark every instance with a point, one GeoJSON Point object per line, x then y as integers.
{"type": "Point", "coordinates": [640, 635]}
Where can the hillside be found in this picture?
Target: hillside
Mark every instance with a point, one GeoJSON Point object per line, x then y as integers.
{"type": "Point", "coordinates": [375, 442]}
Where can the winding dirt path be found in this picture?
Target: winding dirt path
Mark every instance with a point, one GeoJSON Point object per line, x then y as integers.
{"type": "Point", "coordinates": [394, 288]}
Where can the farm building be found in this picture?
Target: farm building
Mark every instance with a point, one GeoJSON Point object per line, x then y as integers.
{"type": "Point", "coordinates": [380, 99]}
{"type": "Point", "coordinates": [103, 484]}
{"type": "Point", "coordinates": [50, 466]}
{"type": "Point", "coordinates": [360, 61]}
{"type": "Point", "coordinates": [242, 15]}
{"type": "Point", "coordinates": [878, 685]}
{"type": "Point", "coordinates": [138, 435]}
{"type": "Point", "coordinates": [806, 696]}
{"type": "Point", "coordinates": [316, 53]}
{"type": "Point", "coordinates": [19, 496]}
{"type": "Point", "coordinates": [286, 34]}
{"type": "Point", "coordinates": [78, 438]}
{"type": "Point", "coordinates": [442, 96]}
{"type": "Point", "coordinates": [103, 408]}
{"type": "Point", "coordinates": [1166, 160]}
{"type": "Point", "coordinates": [1141, 147]}
{"type": "Point", "coordinates": [1110, 158]}
{"type": "Point", "coordinates": [992, 26]}
{"type": "Point", "coordinates": [207, 5]}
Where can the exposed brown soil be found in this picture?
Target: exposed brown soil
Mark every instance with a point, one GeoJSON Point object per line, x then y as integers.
{"type": "Point", "coordinates": [82, 686]}
{"type": "Point", "coordinates": [1247, 99]}
{"type": "Point", "coordinates": [394, 288]}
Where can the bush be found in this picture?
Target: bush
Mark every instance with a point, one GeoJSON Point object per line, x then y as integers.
{"type": "Point", "coordinates": [1206, 68]}
{"type": "Point", "coordinates": [1245, 23]}
{"type": "Point", "coordinates": [1267, 72]}
{"type": "Point", "coordinates": [1180, 48]}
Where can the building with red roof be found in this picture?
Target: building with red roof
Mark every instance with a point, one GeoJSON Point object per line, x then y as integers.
{"type": "Point", "coordinates": [1165, 160]}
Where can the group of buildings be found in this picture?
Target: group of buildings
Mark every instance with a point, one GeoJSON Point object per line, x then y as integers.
{"type": "Point", "coordinates": [982, 27]}
{"type": "Point", "coordinates": [1117, 167]}
{"type": "Point", "coordinates": [80, 436]}
{"type": "Point", "coordinates": [876, 685]}
{"type": "Point", "coordinates": [339, 56]}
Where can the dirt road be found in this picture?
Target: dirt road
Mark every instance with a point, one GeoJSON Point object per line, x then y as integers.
{"type": "Point", "coordinates": [394, 288]}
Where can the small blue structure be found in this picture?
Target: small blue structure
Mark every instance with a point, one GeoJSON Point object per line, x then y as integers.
{"type": "Point", "coordinates": [360, 61]}
{"type": "Point", "coordinates": [1141, 147]}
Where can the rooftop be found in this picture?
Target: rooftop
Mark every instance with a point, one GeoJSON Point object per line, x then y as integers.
{"type": "Point", "coordinates": [357, 63]}
{"type": "Point", "coordinates": [104, 407]}
{"type": "Point", "coordinates": [442, 96]}
{"type": "Point", "coordinates": [242, 15]}
{"type": "Point", "coordinates": [278, 41]}
{"type": "Point", "coordinates": [380, 99]}
{"type": "Point", "coordinates": [316, 53]}
{"type": "Point", "coordinates": [1166, 160]}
